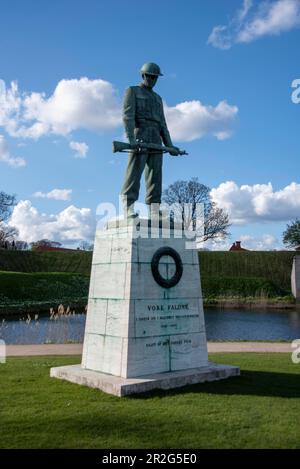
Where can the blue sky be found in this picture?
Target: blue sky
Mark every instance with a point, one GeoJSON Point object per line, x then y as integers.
{"type": "Point", "coordinates": [252, 140]}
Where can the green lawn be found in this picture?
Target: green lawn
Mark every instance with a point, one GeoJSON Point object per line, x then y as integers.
{"type": "Point", "coordinates": [260, 409]}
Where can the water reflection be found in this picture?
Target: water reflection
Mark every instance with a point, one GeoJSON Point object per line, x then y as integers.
{"type": "Point", "coordinates": [220, 325]}
{"type": "Point", "coordinates": [252, 325]}
{"type": "Point", "coordinates": [43, 329]}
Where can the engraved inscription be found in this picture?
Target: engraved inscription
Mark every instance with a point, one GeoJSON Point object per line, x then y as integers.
{"type": "Point", "coordinates": [167, 317]}
{"type": "Point", "coordinates": [166, 342]}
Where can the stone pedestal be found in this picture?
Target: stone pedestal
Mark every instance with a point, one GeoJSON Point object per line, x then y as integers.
{"type": "Point", "coordinates": [145, 324]}
{"type": "Point", "coordinates": [295, 278]}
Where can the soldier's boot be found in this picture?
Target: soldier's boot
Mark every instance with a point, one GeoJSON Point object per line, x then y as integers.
{"type": "Point", "coordinates": [129, 211]}
{"type": "Point", "coordinates": [155, 212]}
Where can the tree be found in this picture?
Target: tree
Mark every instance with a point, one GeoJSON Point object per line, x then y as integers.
{"type": "Point", "coordinates": [21, 245]}
{"type": "Point", "coordinates": [8, 235]}
{"type": "Point", "coordinates": [7, 202]}
{"type": "Point", "coordinates": [186, 198]}
{"type": "Point", "coordinates": [291, 236]}
{"type": "Point", "coordinates": [85, 246]}
{"type": "Point", "coordinates": [45, 243]}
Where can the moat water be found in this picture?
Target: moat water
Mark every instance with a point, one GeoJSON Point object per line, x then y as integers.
{"type": "Point", "coordinates": [221, 325]}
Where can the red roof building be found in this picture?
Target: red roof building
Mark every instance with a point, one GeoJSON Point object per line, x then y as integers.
{"type": "Point", "coordinates": [237, 247]}
{"type": "Point", "coordinates": [52, 248]}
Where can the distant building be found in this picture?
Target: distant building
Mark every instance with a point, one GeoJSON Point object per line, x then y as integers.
{"type": "Point", "coordinates": [237, 247]}
{"type": "Point", "coordinates": [51, 248]}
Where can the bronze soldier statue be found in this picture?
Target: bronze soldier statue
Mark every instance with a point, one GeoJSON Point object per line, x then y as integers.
{"type": "Point", "coordinates": [144, 121]}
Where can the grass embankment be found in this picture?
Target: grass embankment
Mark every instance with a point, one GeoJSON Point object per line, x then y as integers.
{"type": "Point", "coordinates": [228, 278]}
{"type": "Point", "coordinates": [26, 292]}
{"type": "Point", "coordinates": [259, 409]}
{"type": "Point", "coordinates": [247, 278]}
{"type": "Point", "coordinates": [34, 261]}
{"type": "Point", "coordinates": [47, 280]}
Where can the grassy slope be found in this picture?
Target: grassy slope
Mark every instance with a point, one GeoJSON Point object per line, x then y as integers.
{"type": "Point", "coordinates": [224, 274]}
{"type": "Point", "coordinates": [259, 409]}
{"type": "Point", "coordinates": [273, 266]}
{"type": "Point", "coordinates": [32, 281]}
{"type": "Point", "coordinates": [27, 290]}
{"type": "Point", "coordinates": [241, 287]}
{"type": "Point", "coordinates": [31, 261]}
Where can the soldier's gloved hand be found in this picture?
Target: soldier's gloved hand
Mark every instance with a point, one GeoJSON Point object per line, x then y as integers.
{"type": "Point", "coordinates": [133, 141]}
{"type": "Point", "coordinates": [175, 152]}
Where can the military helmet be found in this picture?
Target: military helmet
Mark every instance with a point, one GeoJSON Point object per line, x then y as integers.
{"type": "Point", "coordinates": [151, 69]}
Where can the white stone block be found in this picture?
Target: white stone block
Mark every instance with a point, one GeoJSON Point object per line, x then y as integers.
{"type": "Point", "coordinates": [167, 267]}
{"type": "Point", "coordinates": [109, 281]}
{"type": "Point", "coordinates": [120, 318]}
{"type": "Point", "coordinates": [143, 285]}
{"type": "Point", "coordinates": [147, 355]}
{"type": "Point", "coordinates": [92, 281]}
{"type": "Point", "coordinates": [96, 316]}
{"type": "Point", "coordinates": [84, 351]}
{"type": "Point", "coordinates": [147, 248]}
{"type": "Point", "coordinates": [104, 354]}
{"type": "Point", "coordinates": [188, 351]}
{"type": "Point", "coordinates": [123, 250]}
{"type": "Point", "coordinates": [102, 250]}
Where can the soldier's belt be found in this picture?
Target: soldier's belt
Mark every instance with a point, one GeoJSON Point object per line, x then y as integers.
{"type": "Point", "coordinates": [147, 123]}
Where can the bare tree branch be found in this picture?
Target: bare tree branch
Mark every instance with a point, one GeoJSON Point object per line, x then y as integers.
{"type": "Point", "coordinates": [45, 243]}
{"type": "Point", "coordinates": [7, 202]}
{"type": "Point", "coordinates": [186, 198]}
{"type": "Point", "coordinates": [7, 234]}
{"type": "Point", "coordinates": [291, 236]}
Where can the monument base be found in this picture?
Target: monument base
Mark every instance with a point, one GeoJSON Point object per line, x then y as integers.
{"type": "Point", "coordinates": [126, 386]}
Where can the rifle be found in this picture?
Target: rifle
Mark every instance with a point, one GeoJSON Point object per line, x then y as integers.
{"type": "Point", "coordinates": [141, 146]}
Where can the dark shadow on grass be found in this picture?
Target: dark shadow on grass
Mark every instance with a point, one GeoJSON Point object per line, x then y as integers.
{"type": "Point", "coordinates": [250, 383]}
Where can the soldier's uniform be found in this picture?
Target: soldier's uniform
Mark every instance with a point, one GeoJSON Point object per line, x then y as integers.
{"type": "Point", "coordinates": [144, 119]}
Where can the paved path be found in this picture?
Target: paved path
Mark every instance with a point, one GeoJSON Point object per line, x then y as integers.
{"type": "Point", "coordinates": [213, 347]}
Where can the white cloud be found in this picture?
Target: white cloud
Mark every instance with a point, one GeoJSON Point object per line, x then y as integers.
{"type": "Point", "coordinates": [2, 87]}
{"type": "Point", "coordinates": [80, 148]}
{"type": "Point", "coordinates": [247, 204]}
{"type": "Point", "coordinates": [75, 104]}
{"type": "Point", "coordinates": [266, 19]}
{"type": "Point", "coordinates": [191, 120]}
{"type": "Point", "coordinates": [5, 156]}
{"type": "Point", "coordinates": [56, 194]}
{"type": "Point", "coordinates": [272, 19]}
{"type": "Point", "coordinates": [243, 12]}
{"type": "Point", "coordinates": [68, 226]}
{"type": "Point", "coordinates": [264, 242]}
{"type": "Point", "coordinates": [93, 105]}
{"type": "Point", "coordinates": [10, 103]}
